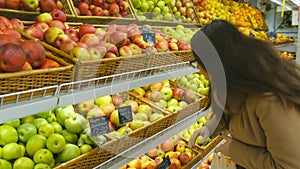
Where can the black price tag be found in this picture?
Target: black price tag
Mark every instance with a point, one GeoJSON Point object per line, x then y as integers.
{"type": "Point", "coordinates": [165, 163]}
{"type": "Point", "coordinates": [125, 114]}
{"type": "Point", "coordinates": [272, 35]}
{"type": "Point", "coordinates": [251, 35]}
{"type": "Point", "coordinates": [148, 36]}
{"type": "Point", "coordinates": [99, 125]}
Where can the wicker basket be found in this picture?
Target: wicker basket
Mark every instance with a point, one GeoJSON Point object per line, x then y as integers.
{"type": "Point", "coordinates": [118, 145]}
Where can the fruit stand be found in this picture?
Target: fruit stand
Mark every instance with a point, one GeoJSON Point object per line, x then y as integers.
{"type": "Point", "coordinates": [97, 92]}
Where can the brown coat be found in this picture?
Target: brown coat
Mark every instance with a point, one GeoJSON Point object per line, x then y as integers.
{"type": "Point", "coordinates": [267, 134]}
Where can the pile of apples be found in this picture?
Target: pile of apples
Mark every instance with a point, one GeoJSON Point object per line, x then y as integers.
{"type": "Point", "coordinates": [108, 106]}
{"type": "Point", "coordinates": [17, 54]}
{"type": "Point", "coordinates": [143, 162]}
{"type": "Point", "coordinates": [187, 133]}
{"type": "Point", "coordinates": [176, 149]}
{"type": "Point", "coordinates": [281, 39]}
{"type": "Point", "coordinates": [183, 11]}
{"type": "Point", "coordinates": [155, 10]}
{"type": "Point", "coordinates": [32, 5]}
{"type": "Point", "coordinates": [195, 82]}
{"type": "Point", "coordinates": [115, 8]}
{"type": "Point", "coordinates": [180, 32]}
{"type": "Point", "coordinates": [286, 55]}
{"type": "Point", "coordinates": [44, 140]}
{"type": "Point", "coordinates": [165, 96]}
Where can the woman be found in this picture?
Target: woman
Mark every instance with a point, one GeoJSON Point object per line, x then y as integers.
{"type": "Point", "coordinates": [262, 104]}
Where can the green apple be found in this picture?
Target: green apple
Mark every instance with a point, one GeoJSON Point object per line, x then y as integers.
{"type": "Point", "coordinates": [204, 91]}
{"type": "Point", "coordinates": [166, 93]}
{"type": "Point", "coordinates": [122, 130]}
{"type": "Point", "coordinates": [44, 114]}
{"type": "Point", "coordinates": [23, 149]}
{"type": "Point", "coordinates": [141, 116]}
{"type": "Point", "coordinates": [103, 99]}
{"type": "Point", "coordinates": [161, 4]}
{"type": "Point", "coordinates": [144, 108]}
{"type": "Point", "coordinates": [135, 124]}
{"type": "Point", "coordinates": [56, 143]}
{"type": "Point", "coordinates": [8, 134]}
{"type": "Point", "coordinates": [168, 17]}
{"type": "Point", "coordinates": [42, 166]}
{"type": "Point", "coordinates": [163, 103]}
{"type": "Point", "coordinates": [52, 33]}
{"type": "Point", "coordinates": [27, 119]}
{"type": "Point", "coordinates": [11, 151]}
{"type": "Point", "coordinates": [69, 137]}
{"type": "Point", "coordinates": [144, 7]}
{"type": "Point", "coordinates": [136, 3]}
{"type": "Point", "coordinates": [156, 116]}
{"type": "Point", "coordinates": [38, 122]}
{"type": "Point", "coordinates": [43, 156]}
{"type": "Point", "coordinates": [81, 53]}
{"type": "Point", "coordinates": [46, 130]}
{"type": "Point", "coordinates": [0, 152]}
{"type": "Point", "coordinates": [73, 124]}
{"type": "Point", "coordinates": [140, 91]}
{"type": "Point", "coordinates": [173, 109]}
{"type": "Point", "coordinates": [14, 123]}
{"type": "Point", "coordinates": [188, 76]}
{"type": "Point", "coordinates": [64, 112]}
{"type": "Point", "coordinates": [23, 163]}
{"type": "Point", "coordinates": [86, 138]}
{"type": "Point", "coordinates": [156, 9]}
{"type": "Point", "coordinates": [70, 151]}
{"type": "Point", "coordinates": [182, 104]}
{"type": "Point", "coordinates": [35, 143]}
{"type": "Point", "coordinates": [172, 102]}
{"type": "Point", "coordinates": [52, 117]}
{"type": "Point", "coordinates": [85, 148]}
{"type": "Point", "coordinates": [5, 164]}
{"type": "Point", "coordinates": [57, 127]}
{"type": "Point", "coordinates": [25, 131]}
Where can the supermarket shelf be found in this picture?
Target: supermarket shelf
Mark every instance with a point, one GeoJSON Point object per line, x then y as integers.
{"type": "Point", "coordinates": [289, 47]}
{"type": "Point", "coordinates": [148, 143]}
{"type": "Point", "coordinates": [89, 89]}
{"type": "Point", "coordinates": [25, 103]}
{"type": "Point", "coordinates": [207, 155]}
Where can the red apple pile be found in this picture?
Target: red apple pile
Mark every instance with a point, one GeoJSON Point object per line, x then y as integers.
{"type": "Point", "coordinates": [115, 8]}
{"type": "Point", "coordinates": [108, 106]}
{"type": "Point", "coordinates": [166, 96]}
{"type": "Point", "coordinates": [32, 5]}
{"type": "Point", "coordinates": [176, 149]}
{"type": "Point", "coordinates": [183, 11]}
{"type": "Point", "coordinates": [17, 54]}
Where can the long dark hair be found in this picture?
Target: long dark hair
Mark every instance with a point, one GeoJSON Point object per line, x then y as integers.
{"type": "Point", "coordinates": [251, 65]}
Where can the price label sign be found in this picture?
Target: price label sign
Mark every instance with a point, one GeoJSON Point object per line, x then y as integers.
{"type": "Point", "coordinates": [148, 36]}
{"type": "Point", "coordinates": [165, 163]}
{"type": "Point", "coordinates": [125, 114]}
{"type": "Point", "coordinates": [272, 35]}
{"type": "Point", "coordinates": [99, 125]}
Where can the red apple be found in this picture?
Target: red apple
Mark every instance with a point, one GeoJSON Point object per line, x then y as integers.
{"type": "Point", "coordinates": [182, 45]}
{"type": "Point", "coordinates": [26, 67]}
{"type": "Point", "coordinates": [134, 33]}
{"type": "Point", "coordinates": [97, 11]}
{"type": "Point", "coordinates": [12, 57]}
{"type": "Point", "coordinates": [114, 9]}
{"type": "Point", "coordinates": [89, 39]}
{"type": "Point", "coordinates": [72, 31]}
{"type": "Point", "coordinates": [141, 43]}
{"type": "Point", "coordinates": [30, 5]}
{"type": "Point", "coordinates": [67, 46]}
{"type": "Point", "coordinates": [204, 166]}
{"type": "Point", "coordinates": [123, 6]}
{"type": "Point", "coordinates": [81, 44]}
{"type": "Point", "coordinates": [125, 51]}
{"type": "Point", "coordinates": [12, 4]}
{"type": "Point", "coordinates": [118, 37]}
{"type": "Point", "coordinates": [111, 48]}
{"type": "Point", "coordinates": [111, 28]}
{"type": "Point", "coordinates": [35, 53]}
{"type": "Point", "coordinates": [167, 145]}
{"type": "Point", "coordinates": [49, 63]}
{"type": "Point", "coordinates": [17, 23]}
{"type": "Point", "coordinates": [59, 5]}
{"type": "Point", "coordinates": [14, 33]}
{"type": "Point", "coordinates": [61, 39]}
{"type": "Point", "coordinates": [184, 158]}
{"type": "Point", "coordinates": [42, 25]}
{"type": "Point", "coordinates": [173, 46]}
{"type": "Point", "coordinates": [57, 23]}
{"type": "Point", "coordinates": [106, 5]}
{"type": "Point", "coordinates": [35, 32]}
{"type": "Point", "coordinates": [156, 86]}
{"type": "Point", "coordinates": [162, 45]}
{"type": "Point", "coordinates": [189, 96]}
{"type": "Point", "coordinates": [101, 49]}
{"type": "Point", "coordinates": [6, 22]}
{"type": "Point", "coordinates": [100, 31]}
{"type": "Point", "coordinates": [117, 100]}
{"type": "Point", "coordinates": [83, 8]}
{"type": "Point", "coordinates": [177, 93]}
{"type": "Point", "coordinates": [110, 55]}
{"type": "Point", "coordinates": [4, 39]}
{"type": "Point", "coordinates": [86, 28]}
{"type": "Point", "coordinates": [2, 3]}
{"type": "Point", "coordinates": [47, 5]}
{"type": "Point", "coordinates": [105, 12]}
{"type": "Point", "coordinates": [153, 153]}
{"type": "Point", "coordinates": [98, 2]}
{"type": "Point", "coordinates": [175, 163]}
{"type": "Point", "coordinates": [58, 14]}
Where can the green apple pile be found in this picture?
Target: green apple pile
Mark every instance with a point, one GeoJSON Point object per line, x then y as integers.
{"type": "Point", "coordinates": [179, 32]}
{"type": "Point", "coordinates": [156, 10]}
{"type": "Point", "coordinates": [166, 96]}
{"type": "Point", "coordinates": [196, 82]}
{"type": "Point", "coordinates": [187, 133]}
{"type": "Point", "coordinates": [108, 106]}
{"type": "Point", "coordinates": [176, 149]}
{"type": "Point", "coordinates": [44, 140]}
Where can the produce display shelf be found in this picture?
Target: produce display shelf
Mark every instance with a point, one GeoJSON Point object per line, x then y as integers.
{"type": "Point", "coordinates": [25, 103]}
{"type": "Point", "coordinates": [142, 147]}
{"type": "Point", "coordinates": [76, 92]}
{"type": "Point", "coordinates": [289, 47]}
